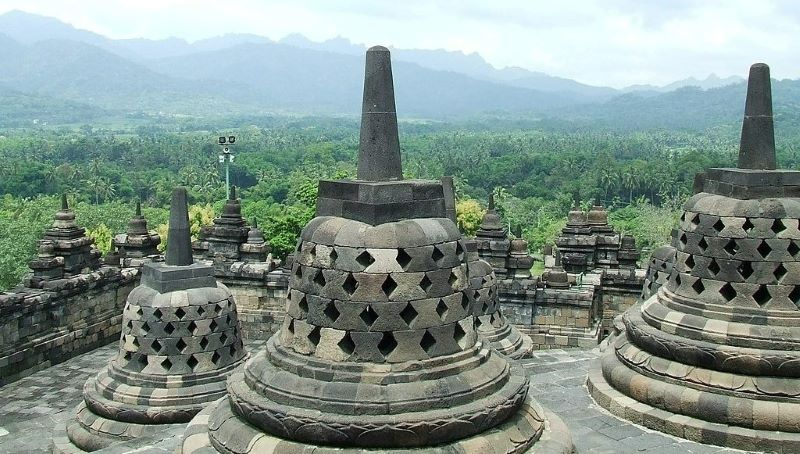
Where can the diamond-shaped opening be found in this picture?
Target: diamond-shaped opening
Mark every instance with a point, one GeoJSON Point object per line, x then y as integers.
{"type": "Point", "coordinates": [764, 249]}
{"type": "Point", "coordinates": [192, 362]}
{"type": "Point", "coordinates": [319, 278]}
{"type": "Point", "coordinates": [477, 323]}
{"type": "Point", "coordinates": [200, 311]}
{"type": "Point", "coordinates": [713, 267]}
{"type": "Point", "coordinates": [192, 326]}
{"type": "Point", "coordinates": [139, 311]}
{"type": "Point", "coordinates": [365, 259]}
{"type": "Point", "coordinates": [129, 326]}
{"type": "Point", "coordinates": [180, 313]}
{"type": "Point", "coordinates": [217, 308]}
{"type": "Point", "coordinates": [690, 262]}
{"type": "Point", "coordinates": [458, 333]}
{"type": "Point", "coordinates": [780, 272]}
{"type": "Point", "coordinates": [727, 291]}
{"type": "Point", "coordinates": [368, 315]}
{"type": "Point", "coordinates": [703, 245]}
{"type": "Point", "coordinates": [303, 304]}
{"type": "Point", "coordinates": [333, 255]}
{"type": "Point", "coordinates": [143, 360]}
{"type": "Point", "coordinates": [166, 364]}
{"type": "Point", "coordinates": [731, 247]}
{"type": "Point", "coordinates": [683, 239]}
{"type": "Point", "coordinates": [464, 300]}
{"type": "Point", "coordinates": [232, 350]}
{"type": "Point", "coordinates": [683, 217]}
{"type": "Point", "coordinates": [180, 345]}
{"type": "Point", "coordinates": [794, 295]}
{"type": "Point", "coordinates": [408, 314]}
{"type": "Point", "coordinates": [696, 219]}
{"type": "Point", "coordinates": [388, 286]}
{"type": "Point", "coordinates": [135, 342]}
{"type": "Point", "coordinates": [156, 345]}
{"type": "Point", "coordinates": [793, 248]}
{"type": "Point", "coordinates": [403, 259]}
{"type": "Point", "coordinates": [387, 344]}
{"type": "Point", "coordinates": [452, 279]}
{"type": "Point", "coordinates": [777, 226]}
{"type": "Point", "coordinates": [215, 358]}
{"type": "Point", "coordinates": [127, 356]}
{"type": "Point", "coordinates": [698, 286]}
{"type": "Point", "coordinates": [460, 251]}
{"type": "Point", "coordinates": [204, 342]}
{"type": "Point", "coordinates": [441, 308]}
{"type": "Point", "coordinates": [313, 251]}
{"type": "Point", "coordinates": [347, 345]}
{"type": "Point", "coordinates": [745, 269]}
{"type": "Point", "coordinates": [168, 328]}
{"type": "Point", "coordinates": [298, 272]}
{"type": "Point", "coordinates": [484, 308]}
{"type": "Point", "coordinates": [331, 312]}
{"type": "Point", "coordinates": [762, 295]}
{"type": "Point", "coordinates": [222, 338]}
{"type": "Point", "coordinates": [678, 280]}
{"type": "Point", "coordinates": [427, 342]}
{"type": "Point", "coordinates": [747, 226]}
{"type": "Point", "coordinates": [158, 314]}
{"type": "Point", "coordinates": [425, 283]}
{"type": "Point", "coordinates": [313, 336]}
{"type": "Point", "coordinates": [291, 326]}
{"type": "Point", "coordinates": [145, 327]}
{"type": "Point", "coordinates": [719, 225]}
{"type": "Point", "coordinates": [437, 255]}
{"type": "Point", "coordinates": [213, 325]}
{"type": "Point", "coordinates": [350, 284]}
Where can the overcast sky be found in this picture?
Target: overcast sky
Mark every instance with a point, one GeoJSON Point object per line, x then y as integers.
{"type": "Point", "coordinates": [602, 42]}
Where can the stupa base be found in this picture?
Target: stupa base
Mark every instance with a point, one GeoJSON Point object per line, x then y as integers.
{"type": "Point", "coordinates": [683, 426]}
{"type": "Point", "coordinates": [507, 340]}
{"type": "Point", "coordinates": [532, 429]}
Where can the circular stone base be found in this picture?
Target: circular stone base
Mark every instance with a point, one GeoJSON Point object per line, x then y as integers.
{"type": "Point", "coordinates": [686, 426]}
{"type": "Point", "coordinates": [506, 339]}
{"type": "Point", "coordinates": [89, 432]}
{"type": "Point", "coordinates": [530, 430]}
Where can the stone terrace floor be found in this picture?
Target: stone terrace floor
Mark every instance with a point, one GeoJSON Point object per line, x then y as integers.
{"type": "Point", "coordinates": [31, 407]}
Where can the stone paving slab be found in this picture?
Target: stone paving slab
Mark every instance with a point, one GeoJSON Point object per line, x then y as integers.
{"type": "Point", "coordinates": [32, 407]}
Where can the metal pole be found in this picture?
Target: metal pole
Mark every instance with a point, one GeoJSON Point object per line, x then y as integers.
{"type": "Point", "coordinates": [227, 177]}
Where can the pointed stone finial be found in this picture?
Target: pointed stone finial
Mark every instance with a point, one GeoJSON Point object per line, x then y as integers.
{"type": "Point", "coordinates": [379, 145]}
{"type": "Point", "coordinates": [491, 201]}
{"type": "Point", "coordinates": [179, 246]}
{"type": "Point", "coordinates": [138, 208]}
{"type": "Point", "coordinates": [757, 147]}
{"type": "Point", "coordinates": [255, 223]}
{"type": "Point", "coordinates": [233, 193]}
{"type": "Point", "coordinates": [64, 204]}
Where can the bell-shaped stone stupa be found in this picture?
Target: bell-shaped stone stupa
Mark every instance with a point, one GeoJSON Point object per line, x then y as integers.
{"type": "Point", "coordinates": [378, 350]}
{"type": "Point", "coordinates": [714, 354]}
{"type": "Point", "coordinates": [180, 340]}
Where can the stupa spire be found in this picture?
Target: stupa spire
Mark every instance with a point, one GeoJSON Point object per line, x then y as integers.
{"type": "Point", "coordinates": [179, 246]}
{"type": "Point", "coordinates": [757, 146]}
{"type": "Point", "coordinates": [379, 144]}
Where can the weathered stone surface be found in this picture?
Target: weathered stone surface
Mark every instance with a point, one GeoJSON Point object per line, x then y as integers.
{"type": "Point", "coordinates": [757, 147]}
{"type": "Point", "coordinates": [715, 341]}
{"type": "Point", "coordinates": [180, 339]}
{"type": "Point", "coordinates": [179, 247]}
{"type": "Point", "coordinates": [378, 349]}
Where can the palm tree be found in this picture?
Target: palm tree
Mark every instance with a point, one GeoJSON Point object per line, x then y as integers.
{"type": "Point", "coordinates": [629, 181]}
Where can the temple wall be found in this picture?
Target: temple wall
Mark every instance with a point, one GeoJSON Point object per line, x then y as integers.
{"type": "Point", "coordinates": [45, 326]}
{"type": "Point", "coordinates": [261, 305]}
{"type": "Point", "coordinates": [621, 289]}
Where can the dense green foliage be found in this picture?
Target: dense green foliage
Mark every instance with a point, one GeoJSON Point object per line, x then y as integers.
{"type": "Point", "coordinates": [537, 175]}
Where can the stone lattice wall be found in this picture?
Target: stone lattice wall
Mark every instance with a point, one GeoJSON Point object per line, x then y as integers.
{"type": "Point", "coordinates": [621, 289]}
{"type": "Point", "coordinates": [45, 326]}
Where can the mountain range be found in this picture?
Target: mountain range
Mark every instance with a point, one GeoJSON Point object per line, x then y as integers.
{"type": "Point", "coordinates": [49, 61]}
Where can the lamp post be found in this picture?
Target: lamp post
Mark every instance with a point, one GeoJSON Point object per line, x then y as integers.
{"type": "Point", "coordinates": [227, 158]}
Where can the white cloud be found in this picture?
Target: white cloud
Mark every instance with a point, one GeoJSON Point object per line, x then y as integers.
{"type": "Point", "coordinates": [610, 42]}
